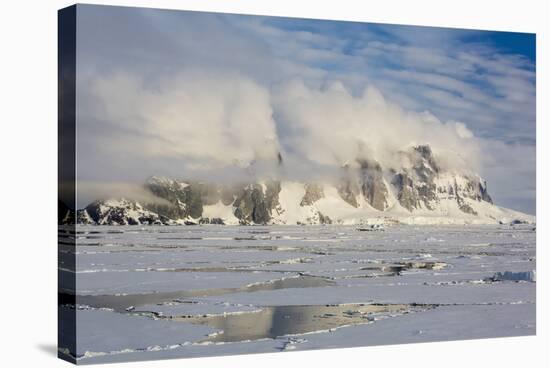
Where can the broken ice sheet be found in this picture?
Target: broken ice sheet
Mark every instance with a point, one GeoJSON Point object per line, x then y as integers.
{"type": "Point", "coordinates": [105, 332]}
{"type": "Point", "coordinates": [189, 307]}
{"type": "Point", "coordinates": [151, 282]}
{"type": "Point", "coordinates": [439, 324]}
{"type": "Point", "coordinates": [282, 266]}
{"type": "Point", "coordinates": [148, 258]}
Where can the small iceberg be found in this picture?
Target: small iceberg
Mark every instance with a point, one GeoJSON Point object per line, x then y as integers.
{"type": "Point", "coordinates": [373, 227]}
{"type": "Point", "coordinates": [530, 276]}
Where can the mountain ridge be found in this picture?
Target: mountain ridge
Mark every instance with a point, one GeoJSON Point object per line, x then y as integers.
{"type": "Point", "coordinates": [418, 193]}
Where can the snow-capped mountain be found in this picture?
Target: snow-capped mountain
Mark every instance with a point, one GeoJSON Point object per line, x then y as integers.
{"type": "Point", "coordinates": [119, 211]}
{"type": "Point", "coordinates": [418, 192]}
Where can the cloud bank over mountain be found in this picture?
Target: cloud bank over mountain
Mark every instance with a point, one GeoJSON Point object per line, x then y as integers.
{"type": "Point", "coordinates": [197, 95]}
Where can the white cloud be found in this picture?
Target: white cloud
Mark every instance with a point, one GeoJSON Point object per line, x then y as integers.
{"type": "Point", "coordinates": [247, 61]}
{"type": "Point", "coordinates": [462, 130]}
{"type": "Point", "coordinates": [206, 119]}
{"type": "Point", "coordinates": [331, 127]}
{"type": "Point", "coordinates": [90, 191]}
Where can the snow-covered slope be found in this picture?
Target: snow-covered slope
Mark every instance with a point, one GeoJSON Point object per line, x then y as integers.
{"type": "Point", "coordinates": [417, 192]}
{"type": "Point", "coordinates": [334, 209]}
{"type": "Point", "coordinates": [119, 212]}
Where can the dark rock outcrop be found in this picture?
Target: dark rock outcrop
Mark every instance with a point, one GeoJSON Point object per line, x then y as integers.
{"type": "Point", "coordinates": [211, 221]}
{"type": "Point", "coordinates": [181, 200]}
{"type": "Point", "coordinates": [372, 184]}
{"type": "Point", "coordinates": [324, 220]}
{"type": "Point", "coordinates": [122, 212]}
{"type": "Point", "coordinates": [253, 205]}
{"type": "Point", "coordinates": [348, 188]}
{"type": "Point", "coordinates": [407, 195]}
{"type": "Point", "coordinates": [416, 185]}
{"type": "Point", "coordinates": [314, 192]}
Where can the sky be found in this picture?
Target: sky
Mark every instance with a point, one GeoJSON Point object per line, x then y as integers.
{"type": "Point", "coordinates": [186, 94]}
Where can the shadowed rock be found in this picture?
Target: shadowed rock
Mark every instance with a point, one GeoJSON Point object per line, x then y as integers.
{"type": "Point", "coordinates": [254, 206]}
{"type": "Point", "coordinates": [324, 220]}
{"type": "Point", "coordinates": [314, 192]}
{"type": "Point", "coordinates": [348, 189]}
{"type": "Point", "coordinates": [425, 152]}
{"type": "Point", "coordinates": [406, 192]}
{"type": "Point", "coordinates": [122, 212]}
{"type": "Point", "coordinates": [372, 184]}
{"type": "Point", "coordinates": [416, 186]}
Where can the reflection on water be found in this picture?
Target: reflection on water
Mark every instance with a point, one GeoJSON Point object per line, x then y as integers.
{"type": "Point", "coordinates": [272, 322]}
{"type": "Point", "coordinates": [121, 302]}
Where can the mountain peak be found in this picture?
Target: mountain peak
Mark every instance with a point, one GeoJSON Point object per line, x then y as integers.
{"type": "Point", "coordinates": [366, 191]}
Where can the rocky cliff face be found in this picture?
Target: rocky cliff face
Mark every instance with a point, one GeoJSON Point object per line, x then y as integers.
{"type": "Point", "coordinates": [120, 212]}
{"type": "Point", "coordinates": [348, 188]}
{"type": "Point", "coordinates": [373, 186]}
{"type": "Point", "coordinates": [365, 190]}
{"type": "Point", "coordinates": [255, 203]}
{"type": "Point", "coordinates": [416, 185]}
{"type": "Point", "coordinates": [314, 192]}
{"type": "Point", "coordinates": [424, 185]}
